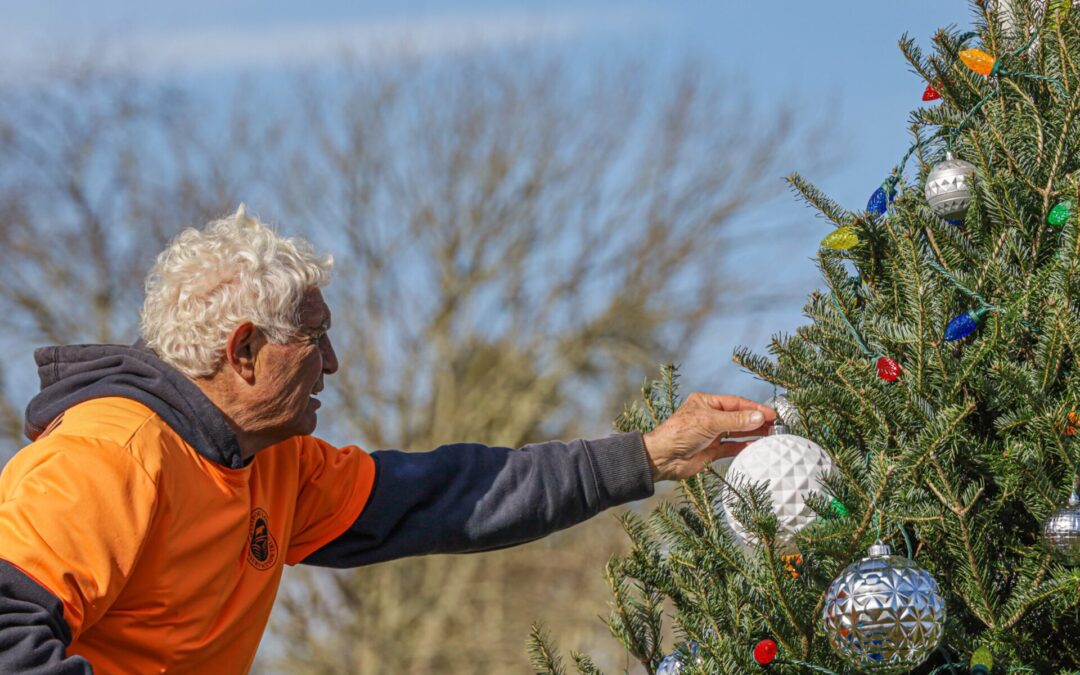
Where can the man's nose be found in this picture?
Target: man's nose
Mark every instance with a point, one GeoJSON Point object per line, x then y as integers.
{"type": "Point", "coordinates": [330, 362]}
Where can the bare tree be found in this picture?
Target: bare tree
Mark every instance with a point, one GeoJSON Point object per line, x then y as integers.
{"type": "Point", "coordinates": [97, 171]}
{"type": "Point", "coordinates": [517, 244]}
{"type": "Point", "coordinates": [516, 236]}
{"type": "Point", "coordinates": [523, 243]}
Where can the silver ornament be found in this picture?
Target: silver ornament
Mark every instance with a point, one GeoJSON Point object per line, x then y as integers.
{"type": "Point", "coordinates": [793, 467]}
{"type": "Point", "coordinates": [786, 412]}
{"type": "Point", "coordinates": [1061, 531]}
{"type": "Point", "coordinates": [673, 663]}
{"type": "Point", "coordinates": [1013, 34]}
{"type": "Point", "coordinates": [948, 187]}
{"type": "Point", "coordinates": [884, 613]}
{"type": "Point", "coordinates": [670, 665]}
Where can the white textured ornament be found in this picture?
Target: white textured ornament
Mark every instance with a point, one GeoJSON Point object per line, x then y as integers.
{"type": "Point", "coordinates": [793, 467]}
{"type": "Point", "coordinates": [948, 187]}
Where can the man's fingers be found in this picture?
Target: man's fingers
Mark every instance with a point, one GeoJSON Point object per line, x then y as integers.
{"type": "Point", "coordinates": [729, 403]}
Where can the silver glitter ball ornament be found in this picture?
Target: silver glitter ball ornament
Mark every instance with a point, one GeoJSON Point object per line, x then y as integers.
{"type": "Point", "coordinates": [884, 613]}
{"type": "Point", "coordinates": [1061, 531]}
{"type": "Point", "coordinates": [673, 663]}
{"type": "Point", "coordinates": [948, 187]}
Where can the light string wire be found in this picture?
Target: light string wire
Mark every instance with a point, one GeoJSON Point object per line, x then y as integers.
{"type": "Point", "coordinates": [996, 73]}
{"type": "Point", "coordinates": [983, 304]}
{"type": "Point", "coordinates": [854, 333]}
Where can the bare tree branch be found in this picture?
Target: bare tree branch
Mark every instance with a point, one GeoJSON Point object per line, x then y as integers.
{"type": "Point", "coordinates": [517, 244]}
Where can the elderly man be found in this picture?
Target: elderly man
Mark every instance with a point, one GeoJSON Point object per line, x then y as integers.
{"type": "Point", "coordinates": [145, 527]}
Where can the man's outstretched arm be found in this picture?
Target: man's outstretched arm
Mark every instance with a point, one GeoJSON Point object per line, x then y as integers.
{"type": "Point", "coordinates": [468, 497]}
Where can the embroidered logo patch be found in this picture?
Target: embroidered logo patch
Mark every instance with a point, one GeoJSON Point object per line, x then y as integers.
{"type": "Point", "coordinates": [262, 549]}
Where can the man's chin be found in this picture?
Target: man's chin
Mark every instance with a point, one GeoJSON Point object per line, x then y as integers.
{"type": "Point", "coordinates": [311, 420]}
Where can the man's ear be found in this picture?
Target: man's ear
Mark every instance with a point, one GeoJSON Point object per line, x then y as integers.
{"type": "Point", "coordinates": [240, 351]}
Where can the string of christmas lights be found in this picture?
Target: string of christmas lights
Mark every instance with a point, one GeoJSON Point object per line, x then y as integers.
{"type": "Point", "coordinates": [948, 193]}
{"type": "Point", "coordinates": [887, 368]}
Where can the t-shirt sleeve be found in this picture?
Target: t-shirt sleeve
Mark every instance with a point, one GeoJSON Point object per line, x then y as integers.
{"type": "Point", "coordinates": [335, 484]}
{"type": "Point", "coordinates": [74, 514]}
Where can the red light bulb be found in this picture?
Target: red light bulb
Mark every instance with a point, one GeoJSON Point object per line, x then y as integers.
{"type": "Point", "coordinates": [888, 370]}
{"type": "Point", "coordinates": [930, 94]}
{"type": "Point", "coordinates": [765, 652]}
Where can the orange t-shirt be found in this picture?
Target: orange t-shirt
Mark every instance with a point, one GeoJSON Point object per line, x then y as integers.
{"type": "Point", "coordinates": [164, 560]}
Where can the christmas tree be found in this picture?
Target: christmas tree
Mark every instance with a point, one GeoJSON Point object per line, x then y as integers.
{"type": "Point", "coordinates": [938, 374]}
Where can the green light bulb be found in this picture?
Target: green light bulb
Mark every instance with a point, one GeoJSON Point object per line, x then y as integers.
{"type": "Point", "coordinates": [1060, 213]}
{"type": "Point", "coordinates": [982, 661]}
{"type": "Point", "coordinates": [837, 508]}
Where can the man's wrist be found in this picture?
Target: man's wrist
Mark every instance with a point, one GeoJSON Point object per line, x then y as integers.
{"type": "Point", "coordinates": [623, 467]}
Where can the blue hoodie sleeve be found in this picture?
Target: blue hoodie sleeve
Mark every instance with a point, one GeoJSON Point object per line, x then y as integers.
{"type": "Point", "coordinates": [470, 497]}
{"type": "Point", "coordinates": [33, 633]}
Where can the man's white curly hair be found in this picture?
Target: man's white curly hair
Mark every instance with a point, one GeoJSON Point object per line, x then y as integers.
{"type": "Point", "coordinates": [206, 282]}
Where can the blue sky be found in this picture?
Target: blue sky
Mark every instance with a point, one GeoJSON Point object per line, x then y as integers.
{"type": "Point", "coordinates": [836, 59]}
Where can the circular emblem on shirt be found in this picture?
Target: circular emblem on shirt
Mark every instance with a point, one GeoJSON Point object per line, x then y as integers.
{"type": "Point", "coordinates": [262, 549]}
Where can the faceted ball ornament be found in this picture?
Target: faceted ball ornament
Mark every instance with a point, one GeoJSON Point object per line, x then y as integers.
{"type": "Point", "coordinates": [1061, 532]}
{"type": "Point", "coordinates": [671, 665]}
{"type": "Point", "coordinates": [884, 613]}
{"type": "Point", "coordinates": [793, 467]}
{"type": "Point", "coordinates": [948, 187]}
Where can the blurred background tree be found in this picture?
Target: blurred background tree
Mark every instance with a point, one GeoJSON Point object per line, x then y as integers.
{"type": "Point", "coordinates": [518, 242]}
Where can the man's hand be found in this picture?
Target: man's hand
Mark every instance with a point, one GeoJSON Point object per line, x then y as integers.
{"type": "Point", "coordinates": [696, 434]}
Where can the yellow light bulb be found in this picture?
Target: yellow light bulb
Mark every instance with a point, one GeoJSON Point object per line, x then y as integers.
{"type": "Point", "coordinates": [978, 60]}
{"type": "Point", "coordinates": [841, 238]}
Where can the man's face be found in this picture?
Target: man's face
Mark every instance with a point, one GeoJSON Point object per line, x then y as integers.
{"type": "Point", "coordinates": [288, 376]}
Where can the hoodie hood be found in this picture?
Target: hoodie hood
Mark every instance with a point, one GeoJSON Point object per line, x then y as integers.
{"type": "Point", "coordinates": [72, 374]}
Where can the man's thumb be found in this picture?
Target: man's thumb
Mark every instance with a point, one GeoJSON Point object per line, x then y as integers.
{"type": "Point", "coordinates": [742, 420]}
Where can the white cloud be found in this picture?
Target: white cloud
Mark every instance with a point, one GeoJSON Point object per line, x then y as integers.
{"type": "Point", "coordinates": [223, 49]}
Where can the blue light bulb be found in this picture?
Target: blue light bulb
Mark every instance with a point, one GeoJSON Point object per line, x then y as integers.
{"type": "Point", "coordinates": [961, 326]}
{"type": "Point", "coordinates": [879, 202]}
